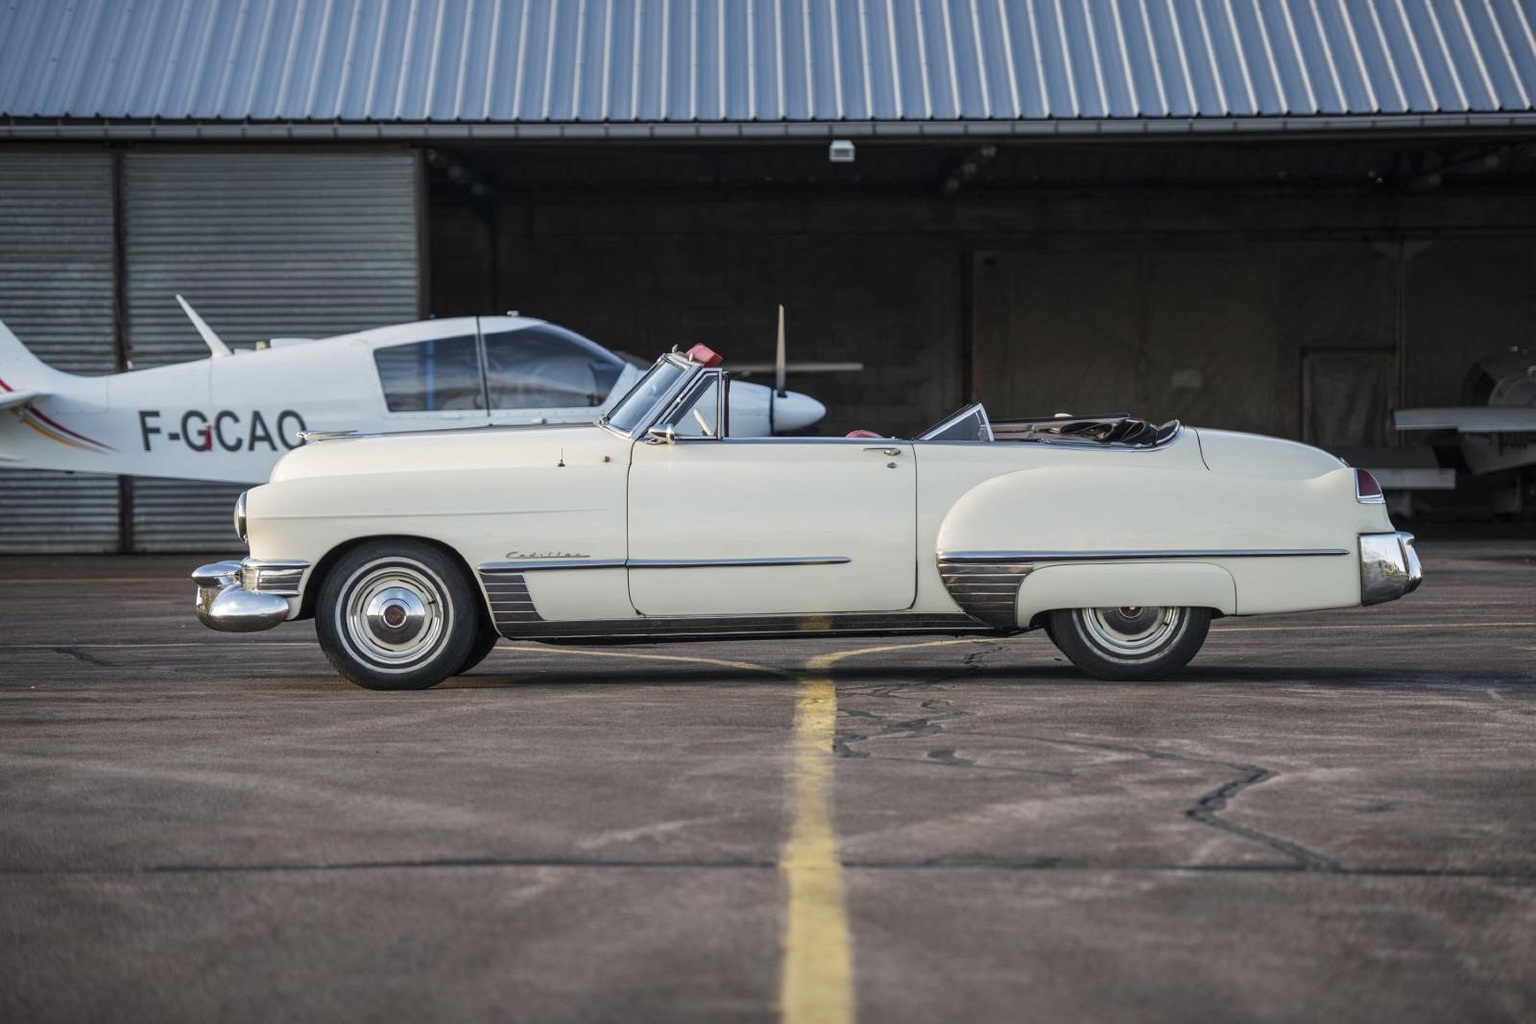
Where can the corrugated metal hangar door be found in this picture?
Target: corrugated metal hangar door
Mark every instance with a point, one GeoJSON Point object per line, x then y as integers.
{"type": "Point", "coordinates": [264, 244]}
{"type": "Point", "coordinates": [56, 296]}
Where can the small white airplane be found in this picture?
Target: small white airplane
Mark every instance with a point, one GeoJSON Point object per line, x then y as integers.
{"type": "Point", "coordinates": [228, 417]}
{"type": "Point", "coordinates": [1497, 427]}
{"type": "Point", "coordinates": [1495, 430]}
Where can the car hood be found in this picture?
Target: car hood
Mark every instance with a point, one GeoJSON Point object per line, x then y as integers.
{"type": "Point", "coordinates": [464, 448]}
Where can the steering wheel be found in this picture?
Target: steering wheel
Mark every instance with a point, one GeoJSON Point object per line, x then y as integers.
{"type": "Point", "coordinates": [703, 423]}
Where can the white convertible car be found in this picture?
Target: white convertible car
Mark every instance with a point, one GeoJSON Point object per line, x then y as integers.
{"type": "Point", "coordinates": [414, 552]}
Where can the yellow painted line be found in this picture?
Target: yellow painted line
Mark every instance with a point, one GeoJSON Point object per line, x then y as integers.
{"type": "Point", "coordinates": [817, 980]}
{"type": "Point", "coordinates": [816, 984]}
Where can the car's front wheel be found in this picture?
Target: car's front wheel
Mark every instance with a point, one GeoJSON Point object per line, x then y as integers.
{"type": "Point", "coordinates": [397, 615]}
{"type": "Point", "coordinates": [1129, 643]}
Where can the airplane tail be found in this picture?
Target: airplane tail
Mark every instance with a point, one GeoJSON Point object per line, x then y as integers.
{"type": "Point", "coordinates": [19, 368]}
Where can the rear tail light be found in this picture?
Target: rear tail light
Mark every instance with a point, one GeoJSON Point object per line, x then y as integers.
{"type": "Point", "coordinates": [1367, 490]}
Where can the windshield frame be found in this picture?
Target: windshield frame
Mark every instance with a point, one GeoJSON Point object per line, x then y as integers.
{"type": "Point", "coordinates": [972, 410]}
{"type": "Point", "coordinates": [640, 415]}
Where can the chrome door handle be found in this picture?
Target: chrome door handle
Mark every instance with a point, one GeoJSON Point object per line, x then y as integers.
{"type": "Point", "coordinates": [891, 452]}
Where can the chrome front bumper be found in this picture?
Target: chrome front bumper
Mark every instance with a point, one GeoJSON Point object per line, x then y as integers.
{"type": "Point", "coordinates": [1389, 567]}
{"type": "Point", "coordinates": [226, 603]}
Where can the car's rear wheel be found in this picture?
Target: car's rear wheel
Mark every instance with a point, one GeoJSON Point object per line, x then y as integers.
{"type": "Point", "coordinates": [398, 615]}
{"type": "Point", "coordinates": [1129, 643]}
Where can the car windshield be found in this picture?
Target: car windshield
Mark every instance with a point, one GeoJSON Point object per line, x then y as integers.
{"type": "Point", "coordinates": [631, 410]}
{"type": "Point", "coordinates": [969, 424]}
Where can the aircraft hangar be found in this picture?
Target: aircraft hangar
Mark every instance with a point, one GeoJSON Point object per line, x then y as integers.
{"type": "Point", "coordinates": [1286, 216]}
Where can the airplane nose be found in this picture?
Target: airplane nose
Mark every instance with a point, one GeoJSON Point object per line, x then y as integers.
{"type": "Point", "coordinates": [795, 411]}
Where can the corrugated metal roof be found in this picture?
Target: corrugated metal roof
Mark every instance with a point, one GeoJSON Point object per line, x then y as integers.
{"type": "Point", "coordinates": [607, 64]}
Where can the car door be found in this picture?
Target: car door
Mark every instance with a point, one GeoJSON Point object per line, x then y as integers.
{"type": "Point", "coordinates": [766, 526]}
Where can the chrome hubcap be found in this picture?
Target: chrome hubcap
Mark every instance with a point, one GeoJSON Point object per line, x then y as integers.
{"type": "Point", "coordinates": [1130, 632]}
{"type": "Point", "coordinates": [395, 614]}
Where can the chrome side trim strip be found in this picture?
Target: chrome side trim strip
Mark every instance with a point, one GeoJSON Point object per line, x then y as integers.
{"type": "Point", "coordinates": [537, 564]}
{"type": "Point", "coordinates": [727, 563]}
{"type": "Point", "coordinates": [540, 564]}
{"type": "Point", "coordinates": [1012, 557]}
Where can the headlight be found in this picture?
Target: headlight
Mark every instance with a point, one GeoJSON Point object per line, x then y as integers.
{"type": "Point", "coordinates": [240, 515]}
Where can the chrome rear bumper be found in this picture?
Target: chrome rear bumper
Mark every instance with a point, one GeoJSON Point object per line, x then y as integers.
{"type": "Point", "coordinates": [1389, 567]}
{"type": "Point", "coordinates": [223, 602]}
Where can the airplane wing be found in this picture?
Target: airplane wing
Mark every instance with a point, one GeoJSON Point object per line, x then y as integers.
{"type": "Point", "coordinates": [749, 369]}
{"type": "Point", "coordinates": [1469, 419]}
{"type": "Point", "coordinates": [10, 399]}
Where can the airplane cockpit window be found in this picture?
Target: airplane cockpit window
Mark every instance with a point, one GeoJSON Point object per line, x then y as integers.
{"type": "Point", "coordinates": [543, 366]}
{"type": "Point", "coordinates": [428, 376]}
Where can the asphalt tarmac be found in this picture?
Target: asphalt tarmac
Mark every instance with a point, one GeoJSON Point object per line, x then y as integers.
{"type": "Point", "coordinates": [1327, 817]}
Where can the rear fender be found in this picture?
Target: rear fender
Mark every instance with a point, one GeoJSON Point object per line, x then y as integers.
{"type": "Point", "coordinates": [1126, 584]}
{"type": "Point", "coordinates": [1117, 535]}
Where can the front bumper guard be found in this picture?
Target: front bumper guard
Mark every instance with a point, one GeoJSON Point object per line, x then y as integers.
{"type": "Point", "coordinates": [224, 603]}
{"type": "Point", "coordinates": [1389, 567]}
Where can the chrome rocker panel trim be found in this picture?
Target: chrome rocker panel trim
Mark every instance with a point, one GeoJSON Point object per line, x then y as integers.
{"type": "Point", "coordinates": [516, 617]}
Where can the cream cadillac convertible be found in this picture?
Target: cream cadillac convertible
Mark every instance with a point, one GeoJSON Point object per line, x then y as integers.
{"type": "Point", "coordinates": [1122, 540]}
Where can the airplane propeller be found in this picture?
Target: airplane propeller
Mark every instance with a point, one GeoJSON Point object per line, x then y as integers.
{"type": "Point", "coordinates": [780, 371]}
{"type": "Point", "coordinates": [780, 367]}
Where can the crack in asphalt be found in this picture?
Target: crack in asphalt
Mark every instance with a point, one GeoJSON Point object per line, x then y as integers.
{"type": "Point", "coordinates": [81, 656]}
{"type": "Point", "coordinates": [928, 725]}
{"type": "Point", "coordinates": [931, 725]}
{"type": "Point", "coordinates": [1204, 811]}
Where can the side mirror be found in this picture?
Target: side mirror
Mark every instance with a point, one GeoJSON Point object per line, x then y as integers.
{"type": "Point", "coordinates": [660, 435]}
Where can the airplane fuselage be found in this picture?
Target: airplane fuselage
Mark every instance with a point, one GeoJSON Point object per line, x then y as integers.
{"type": "Point", "coordinates": [231, 416]}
